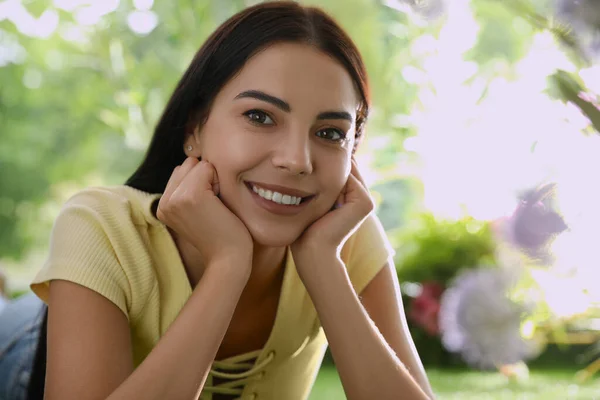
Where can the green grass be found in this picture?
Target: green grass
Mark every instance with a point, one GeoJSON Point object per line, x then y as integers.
{"type": "Point", "coordinates": [474, 385]}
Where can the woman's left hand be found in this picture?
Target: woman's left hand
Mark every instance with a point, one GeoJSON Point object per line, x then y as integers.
{"type": "Point", "coordinates": [326, 236]}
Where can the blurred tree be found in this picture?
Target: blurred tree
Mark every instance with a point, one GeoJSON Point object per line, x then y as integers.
{"type": "Point", "coordinates": [82, 99]}
{"type": "Point", "coordinates": [82, 84]}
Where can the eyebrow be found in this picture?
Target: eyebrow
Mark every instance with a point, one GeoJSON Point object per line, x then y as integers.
{"type": "Point", "coordinates": [285, 106]}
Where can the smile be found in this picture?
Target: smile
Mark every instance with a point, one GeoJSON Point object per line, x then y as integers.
{"type": "Point", "coordinates": [278, 199]}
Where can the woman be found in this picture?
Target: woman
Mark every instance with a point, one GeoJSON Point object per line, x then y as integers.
{"type": "Point", "coordinates": [243, 243]}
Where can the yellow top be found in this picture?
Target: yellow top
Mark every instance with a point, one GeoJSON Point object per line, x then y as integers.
{"type": "Point", "coordinates": [107, 239]}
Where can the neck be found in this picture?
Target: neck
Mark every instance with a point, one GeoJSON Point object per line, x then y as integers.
{"type": "Point", "coordinates": [267, 269]}
{"type": "Point", "coordinates": [267, 266]}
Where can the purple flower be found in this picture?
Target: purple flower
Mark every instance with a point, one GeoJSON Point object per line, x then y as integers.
{"type": "Point", "coordinates": [480, 321]}
{"type": "Point", "coordinates": [534, 224]}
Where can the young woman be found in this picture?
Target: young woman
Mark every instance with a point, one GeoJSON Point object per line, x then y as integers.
{"type": "Point", "coordinates": [243, 244]}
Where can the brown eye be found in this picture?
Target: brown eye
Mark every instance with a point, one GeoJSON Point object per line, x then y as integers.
{"type": "Point", "coordinates": [332, 134]}
{"type": "Point", "coordinates": [259, 117]}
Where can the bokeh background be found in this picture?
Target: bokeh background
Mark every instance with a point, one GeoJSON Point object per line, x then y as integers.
{"type": "Point", "coordinates": [482, 152]}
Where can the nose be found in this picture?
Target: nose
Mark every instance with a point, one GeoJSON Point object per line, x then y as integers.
{"type": "Point", "coordinates": [293, 154]}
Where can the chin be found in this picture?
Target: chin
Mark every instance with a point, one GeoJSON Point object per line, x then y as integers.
{"type": "Point", "coordinates": [274, 237]}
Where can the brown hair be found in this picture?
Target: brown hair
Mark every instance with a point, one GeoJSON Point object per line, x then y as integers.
{"type": "Point", "coordinates": [223, 55]}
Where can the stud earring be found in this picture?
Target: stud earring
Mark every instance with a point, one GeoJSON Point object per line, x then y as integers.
{"type": "Point", "coordinates": [189, 148]}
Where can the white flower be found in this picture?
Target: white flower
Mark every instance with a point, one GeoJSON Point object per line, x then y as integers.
{"type": "Point", "coordinates": [479, 320]}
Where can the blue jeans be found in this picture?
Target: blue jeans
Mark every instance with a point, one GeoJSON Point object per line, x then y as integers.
{"type": "Point", "coordinates": [20, 323]}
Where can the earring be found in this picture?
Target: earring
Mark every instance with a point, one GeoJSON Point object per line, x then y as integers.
{"type": "Point", "coordinates": [189, 148]}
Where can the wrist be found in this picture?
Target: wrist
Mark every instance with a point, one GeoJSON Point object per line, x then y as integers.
{"type": "Point", "coordinates": [233, 268]}
{"type": "Point", "coordinates": [321, 269]}
{"type": "Point", "coordinates": [314, 252]}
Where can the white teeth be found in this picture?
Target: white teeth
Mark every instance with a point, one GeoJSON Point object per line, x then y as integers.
{"type": "Point", "coordinates": [277, 197]}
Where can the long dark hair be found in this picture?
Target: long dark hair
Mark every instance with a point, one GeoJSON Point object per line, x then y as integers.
{"type": "Point", "coordinates": [223, 55]}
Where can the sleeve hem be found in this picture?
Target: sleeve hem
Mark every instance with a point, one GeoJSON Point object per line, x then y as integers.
{"type": "Point", "coordinates": [41, 285]}
{"type": "Point", "coordinates": [361, 280]}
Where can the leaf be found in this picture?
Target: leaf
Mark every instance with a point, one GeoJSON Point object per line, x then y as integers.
{"type": "Point", "coordinates": [569, 88]}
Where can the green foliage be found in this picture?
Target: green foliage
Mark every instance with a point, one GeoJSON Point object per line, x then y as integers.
{"type": "Point", "coordinates": [502, 36]}
{"type": "Point", "coordinates": [73, 110]}
{"type": "Point", "coordinates": [433, 249]}
{"type": "Point", "coordinates": [397, 198]}
{"type": "Point", "coordinates": [463, 384]}
{"type": "Point", "coordinates": [18, 293]}
{"type": "Point", "coordinates": [569, 88]}
{"type": "Point", "coordinates": [431, 350]}
{"type": "Point", "coordinates": [81, 104]}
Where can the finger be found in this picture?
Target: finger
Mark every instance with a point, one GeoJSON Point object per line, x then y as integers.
{"type": "Point", "coordinates": [355, 171]}
{"type": "Point", "coordinates": [357, 204]}
{"type": "Point", "coordinates": [358, 194]}
{"type": "Point", "coordinates": [353, 187]}
{"type": "Point", "coordinates": [177, 177]}
{"type": "Point", "coordinates": [348, 191]}
{"type": "Point", "coordinates": [339, 201]}
{"type": "Point", "coordinates": [203, 176]}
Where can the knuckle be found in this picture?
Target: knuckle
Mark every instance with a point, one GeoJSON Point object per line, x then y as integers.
{"type": "Point", "coordinates": [161, 215]}
{"type": "Point", "coordinates": [371, 203]}
{"type": "Point", "coordinates": [187, 199]}
{"type": "Point", "coordinates": [368, 206]}
{"type": "Point", "coordinates": [205, 166]}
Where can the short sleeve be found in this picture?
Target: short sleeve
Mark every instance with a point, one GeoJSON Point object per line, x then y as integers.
{"type": "Point", "coordinates": [366, 252]}
{"type": "Point", "coordinates": [81, 252]}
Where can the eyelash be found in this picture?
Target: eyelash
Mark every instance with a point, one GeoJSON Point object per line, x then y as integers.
{"type": "Point", "coordinates": [263, 114]}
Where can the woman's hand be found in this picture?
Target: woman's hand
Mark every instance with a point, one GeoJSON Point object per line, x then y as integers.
{"type": "Point", "coordinates": [191, 208]}
{"type": "Point", "coordinates": [327, 235]}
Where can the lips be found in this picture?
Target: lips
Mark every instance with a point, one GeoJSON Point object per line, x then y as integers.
{"type": "Point", "coordinates": [279, 199]}
{"type": "Point", "coordinates": [281, 189]}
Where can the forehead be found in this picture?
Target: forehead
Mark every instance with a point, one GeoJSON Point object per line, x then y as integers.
{"type": "Point", "coordinates": [299, 74]}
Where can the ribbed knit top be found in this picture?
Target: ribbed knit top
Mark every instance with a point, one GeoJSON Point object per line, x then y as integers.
{"type": "Point", "coordinates": [108, 240]}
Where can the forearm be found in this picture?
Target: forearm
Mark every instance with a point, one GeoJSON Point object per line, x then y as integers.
{"type": "Point", "coordinates": [368, 367]}
{"type": "Point", "coordinates": [179, 364]}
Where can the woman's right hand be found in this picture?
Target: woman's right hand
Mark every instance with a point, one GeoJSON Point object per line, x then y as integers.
{"type": "Point", "coordinates": [191, 208]}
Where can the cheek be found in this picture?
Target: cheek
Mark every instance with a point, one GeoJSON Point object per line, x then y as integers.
{"type": "Point", "coordinates": [228, 146]}
{"type": "Point", "coordinates": [337, 177]}
{"type": "Point", "coordinates": [333, 182]}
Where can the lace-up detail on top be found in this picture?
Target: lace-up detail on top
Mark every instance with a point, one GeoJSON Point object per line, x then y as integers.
{"type": "Point", "coordinates": [235, 381]}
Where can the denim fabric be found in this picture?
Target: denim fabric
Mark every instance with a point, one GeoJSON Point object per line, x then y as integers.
{"type": "Point", "coordinates": [20, 324]}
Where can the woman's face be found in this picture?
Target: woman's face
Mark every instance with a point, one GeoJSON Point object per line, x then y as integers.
{"type": "Point", "coordinates": [281, 132]}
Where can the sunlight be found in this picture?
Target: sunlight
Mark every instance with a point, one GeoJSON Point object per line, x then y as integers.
{"type": "Point", "coordinates": [142, 22]}
{"type": "Point", "coordinates": [27, 24]}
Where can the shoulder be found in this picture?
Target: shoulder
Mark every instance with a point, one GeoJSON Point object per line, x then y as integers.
{"type": "Point", "coordinates": [116, 204]}
{"type": "Point", "coordinates": [98, 241]}
{"type": "Point", "coordinates": [370, 237]}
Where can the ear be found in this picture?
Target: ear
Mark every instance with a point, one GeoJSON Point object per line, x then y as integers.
{"type": "Point", "coordinates": [191, 144]}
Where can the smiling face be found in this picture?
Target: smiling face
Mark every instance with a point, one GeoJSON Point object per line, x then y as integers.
{"type": "Point", "coordinates": [281, 132]}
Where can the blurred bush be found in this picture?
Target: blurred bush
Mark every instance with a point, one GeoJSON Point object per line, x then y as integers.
{"type": "Point", "coordinates": [433, 249]}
